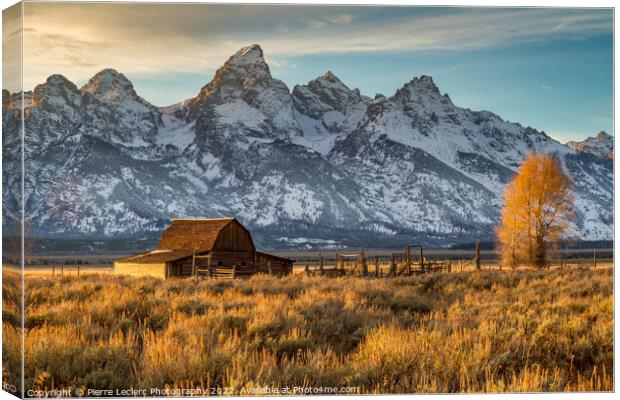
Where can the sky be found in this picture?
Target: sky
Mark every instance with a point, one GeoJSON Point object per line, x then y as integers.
{"type": "Point", "coordinates": [549, 68]}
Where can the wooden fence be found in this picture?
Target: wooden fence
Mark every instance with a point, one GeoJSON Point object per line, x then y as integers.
{"type": "Point", "coordinates": [405, 264]}
{"type": "Point", "coordinates": [412, 260]}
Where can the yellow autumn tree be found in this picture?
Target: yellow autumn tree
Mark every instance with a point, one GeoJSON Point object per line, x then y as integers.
{"type": "Point", "coordinates": [537, 211]}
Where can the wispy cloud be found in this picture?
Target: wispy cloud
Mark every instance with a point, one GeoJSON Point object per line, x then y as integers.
{"type": "Point", "coordinates": [11, 47]}
{"type": "Point", "coordinates": [340, 19]}
{"type": "Point", "coordinates": [546, 87]}
{"type": "Point", "coordinates": [151, 38]}
{"type": "Point", "coordinates": [319, 23]}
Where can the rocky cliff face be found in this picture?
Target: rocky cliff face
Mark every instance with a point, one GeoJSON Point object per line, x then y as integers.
{"type": "Point", "coordinates": [112, 109]}
{"type": "Point", "coordinates": [321, 166]}
{"type": "Point", "coordinates": [601, 145]}
{"type": "Point", "coordinates": [244, 99]}
{"type": "Point", "coordinates": [326, 110]}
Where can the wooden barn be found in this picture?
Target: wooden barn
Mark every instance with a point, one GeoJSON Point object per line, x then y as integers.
{"type": "Point", "coordinates": [208, 248]}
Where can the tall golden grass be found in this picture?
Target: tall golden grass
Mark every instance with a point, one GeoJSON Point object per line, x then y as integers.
{"type": "Point", "coordinates": [523, 331]}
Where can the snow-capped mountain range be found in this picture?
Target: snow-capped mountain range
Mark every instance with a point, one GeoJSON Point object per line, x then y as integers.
{"type": "Point", "coordinates": [321, 166]}
{"type": "Point", "coordinates": [601, 145]}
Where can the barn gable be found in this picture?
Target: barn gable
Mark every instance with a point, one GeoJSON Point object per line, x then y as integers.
{"type": "Point", "coordinates": [204, 247]}
{"type": "Point", "coordinates": [202, 235]}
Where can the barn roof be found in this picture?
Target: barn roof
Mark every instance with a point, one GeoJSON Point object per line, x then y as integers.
{"type": "Point", "coordinates": [155, 257]}
{"type": "Point", "coordinates": [197, 234]}
{"type": "Point", "coordinates": [267, 255]}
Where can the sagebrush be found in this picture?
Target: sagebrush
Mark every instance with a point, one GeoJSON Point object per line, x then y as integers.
{"type": "Point", "coordinates": [459, 332]}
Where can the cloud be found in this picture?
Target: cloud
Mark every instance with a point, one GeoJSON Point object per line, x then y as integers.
{"type": "Point", "coordinates": [546, 87]}
{"type": "Point", "coordinates": [281, 27]}
{"type": "Point", "coordinates": [317, 23]}
{"type": "Point", "coordinates": [278, 62]}
{"type": "Point", "coordinates": [78, 39]}
{"type": "Point", "coordinates": [11, 48]}
{"type": "Point", "coordinates": [340, 19]}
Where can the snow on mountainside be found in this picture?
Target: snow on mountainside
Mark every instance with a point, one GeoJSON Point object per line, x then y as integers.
{"type": "Point", "coordinates": [112, 107]}
{"type": "Point", "coordinates": [479, 146]}
{"type": "Point", "coordinates": [326, 109]}
{"type": "Point", "coordinates": [602, 145]}
{"type": "Point", "coordinates": [245, 99]}
{"type": "Point", "coordinates": [322, 165]}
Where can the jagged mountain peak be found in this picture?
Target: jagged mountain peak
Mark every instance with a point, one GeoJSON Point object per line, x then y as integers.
{"type": "Point", "coordinates": [602, 135]}
{"type": "Point", "coordinates": [106, 78]}
{"type": "Point", "coordinates": [329, 81]}
{"type": "Point", "coordinates": [57, 90]}
{"type": "Point", "coordinates": [113, 111]}
{"type": "Point", "coordinates": [326, 93]}
{"type": "Point", "coordinates": [422, 95]}
{"type": "Point", "coordinates": [245, 68]}
{"type": "Point", "coordinates": [601, 145]}
{"type": "Point", "coordinates": [58, 80]}
{"type": "Point", "coordinates": [244, 98]}
{"type": "Point", "coordinates": [422, 85]}
{"type": "Point", "coordinates": [109, 85]}
{"type": "Point", "coordinates": [425, 79]}
{"type": "Point", "coordinates": [248, 60]}
{"type": "Point", "coordinates": [248, 54]}
{"type": "Point", "coordinates": [330, 77]}
{"type": "Point", "coordinates": [55, 83]}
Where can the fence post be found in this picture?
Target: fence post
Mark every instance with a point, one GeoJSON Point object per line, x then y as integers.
{"type": "Point", "coordinates": [594, 258]}
{"type": "Point", "coordinates": [307, 269]}
{"type": "Point", "coordinates": [478, 255]}
{"type": "Point", "coordinates": [377, 267]}
{"type": "Point", "coordinates": [53, 269]}
{"type": "Point", "coordinates": [408, 259]}
{"type": "Point", "coordinates": [234, 271]}
{"type": "Point", "coordinates": [321, 270]}
{"type": "Point", "coordinates": [62, 270]}
{"type": "Point", "coordinates": [392, 266]}
{"type": "Point", "coordinates": [194, 263]}
{"type": "Point", "coordinates": [364, 265]}
{"type": "Point", "coordinates": [78, 270]}
{"type": "Point", "coordinates": [421, 257]}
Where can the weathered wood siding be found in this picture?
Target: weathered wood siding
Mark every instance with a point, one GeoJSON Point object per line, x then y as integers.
{"type": "Point", "coordinates": [234, 237]}
{"type": "Point", "coordinates": [279, 266]}
{"type": "Point", "coordinates": [221, 261]}
{"type": "Point", "coordinates": [155, 270]}
{"type": "Point", "coordinates": [230, 258]}
{"type": "Point", "coordinates": [183, 267]}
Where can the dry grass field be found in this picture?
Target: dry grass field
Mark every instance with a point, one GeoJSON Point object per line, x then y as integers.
{"type": "Point", "coordinates": [459, 332]}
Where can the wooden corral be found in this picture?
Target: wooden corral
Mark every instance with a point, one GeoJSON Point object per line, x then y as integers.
{"type": "Point", "coordinates": [207, 248]}
{"type": "Point", "coordinates": [360, 264]}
